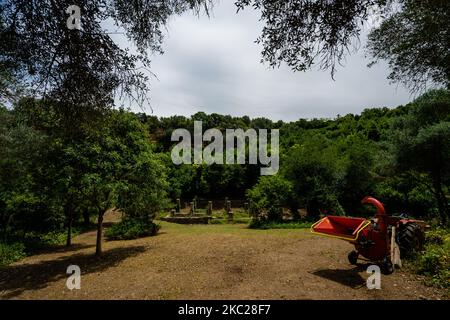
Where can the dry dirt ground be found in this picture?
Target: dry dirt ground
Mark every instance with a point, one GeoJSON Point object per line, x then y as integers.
{"type": "Point", "coordinates": [206, 262]}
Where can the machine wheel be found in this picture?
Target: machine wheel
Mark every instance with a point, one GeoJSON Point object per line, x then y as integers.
{"type": "Point", "coordinates": [410, 239]}
{"type": "Point", "coordinates": [386, 266]}
{"type": "Point", "coordinates": [353, 257]}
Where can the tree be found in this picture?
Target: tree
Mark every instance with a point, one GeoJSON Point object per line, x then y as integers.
{"type": "Point", "coordinates": [357, 178]}
{"type": "Point", "coordinates": [120, 171]}
{"type": "Point", "coordinates": [60, 174]}
{"type": "Point", "coordinates": [312, 167]}
{"type": "Point", "coordinates": [433, 145]}
{"type": "Point", "coordinates": [271, 193]}
{"type": "Point", "coordinates": [85, 69]}
{"type": "Point", "coordinates": [414, 41]}
{"type": "Point", "coordinates": [421, 143]}
{"type": "Point", "coordinates": [413, 36]}
{"type": "Point", "coordinates": [301, 33]}
{"type": "Point", "coordinates": [10, 87]}
{"type": "Point", "coordinates": [25, 204]}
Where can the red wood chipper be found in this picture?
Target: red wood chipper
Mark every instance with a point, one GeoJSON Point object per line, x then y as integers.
{"type": "Point", "coordinates": [381, 239]}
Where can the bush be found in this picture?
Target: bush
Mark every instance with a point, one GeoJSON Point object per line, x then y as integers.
{"type": "Point", "coordinates": [435, 237]}
{"type": "Point", "coordinates": [132, 228]}
{"type": "Point", "coordinates": [434, 261]}
{"type": "Point", "coordinates": [270, 194]}
{"type": "Point", "coordinates": [11, 252]}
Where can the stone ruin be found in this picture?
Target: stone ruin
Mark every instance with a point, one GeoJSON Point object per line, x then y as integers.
{"type": "Point", "coordinates": [193, 215]}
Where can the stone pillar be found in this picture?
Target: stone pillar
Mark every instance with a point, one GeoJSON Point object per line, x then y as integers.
{"type": "Point", "coordinates": [251, 209]}
{"type": "Point", "coordinates": [229, 211]}
{"type": "Point", "coordinates": [178, 209]}
{"type": "Point", "coordinates": [194, 201]}
{"type": "Point", "coordinates": [209, 209]}
{"type": "Point", "coordinates": [192, 209]}
{"type": "Point", "coordinates": [246, 207]}
{"type": "Point", "coordinates": [172, 212]}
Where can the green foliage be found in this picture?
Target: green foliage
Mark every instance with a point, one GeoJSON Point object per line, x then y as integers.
{"type": "Point", "coordinates": [10, 253]}
{"type": "Point", "coordinates": [435, 237]}
{"type": "Point", "coordinates": [260, 224]}
{"type": "Point", "coordinates": [421, 144]}
{"type": "Point", "coordinates": [270, 193]}
{"type": "Point", "coordinates": [355, 174]}
{"type": "Point", "coordinates": [414, 39]}
{"type": "Point", "coordinates": [52, 175]}
{"type": "Point", "coordinates": [131, 228]}
{"type": "Point", "coordinates": [312, 168]}
{"type": "Point", "coordinates": [84, 70]}
{"type": "Point", "coordinates": [434, 261]}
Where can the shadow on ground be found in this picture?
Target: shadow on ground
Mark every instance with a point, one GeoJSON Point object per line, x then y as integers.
{"type": "Point", "coordinates": [62, 249]}
{"type": "Point", "coordinates": [347, 277]}
{"type": "Point", "coordinates": [16, 279]}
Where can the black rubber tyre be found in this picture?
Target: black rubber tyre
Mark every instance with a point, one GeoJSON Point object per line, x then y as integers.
{"type": "Point", "coordinates": [353, 257]}
{"type": "Point", "coordinates": [411, 239]}
{"type": "Point", "coordinates": [386, 266]}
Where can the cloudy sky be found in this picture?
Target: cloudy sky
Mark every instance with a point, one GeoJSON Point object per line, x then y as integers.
{"type": "Point", "coordinates": [213, 65]}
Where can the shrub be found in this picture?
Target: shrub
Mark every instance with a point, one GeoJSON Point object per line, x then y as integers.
{"type": "Point", "coordinates": [11, 252]}
{"type": "Point", "coordinates": [434, 261]}
{"type": "Point", "coordinates": [132, 228]}
{"type": "Point", "coordinates": [270, 194]}
{"type": "Point", "coordinates": [435, 237]}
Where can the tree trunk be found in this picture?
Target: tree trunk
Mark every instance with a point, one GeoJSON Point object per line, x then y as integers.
{"type": "Point", "coordinates": [69, 215]}
{"type": "Point", "coordinates": [441, 200]}
{"type": "Point", "coordinates": [98, 248]}
{"type": "Point", "coordinates": [69, 233]}
{"type": "Point", "coordinates": [86, 220]}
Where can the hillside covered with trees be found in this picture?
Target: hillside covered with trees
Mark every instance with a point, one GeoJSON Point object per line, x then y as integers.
{"type": "Point", "coordinates": [52, 181]}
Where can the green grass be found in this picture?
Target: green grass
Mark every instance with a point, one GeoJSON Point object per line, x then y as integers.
{"type": "Point", "coordinates": [11, 252]}
{"type": "Point", "coordinates": [237, 229]}
{"type": "Point", "coordinates": [280, 225]}
{"type": "Point", "coordinates": [434, 261]}
{"type": "Point", "coordinates": [22, 245]}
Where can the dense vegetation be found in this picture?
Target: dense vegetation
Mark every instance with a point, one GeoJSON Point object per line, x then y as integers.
{"type": "Point", "coordinates": [54, 183]}
{"type": "Point", "coordinates": [398, 155]}
{"type": "Point", "coordinates": [51, 181]}
{"type": "Point", "coordinates": [50, 178]}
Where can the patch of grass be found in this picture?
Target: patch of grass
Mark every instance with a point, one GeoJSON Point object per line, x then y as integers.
{"type": "Point", "coordinates": [24, 244]}
{"type": "Point", "coordinates": [236, 229]}
{"type": "Point", "coordinates": [130, 228]}
{"type": "Point", "coordinates": [11, 252]}
{"type": "Point", "coordinates": [225, 220]}
{"type": "Point", "coordinates": [434, 261]}
{"type": "Point", "coordinates": [258, 224]}
{"type": "Point", "coordinates": [34, 241]}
